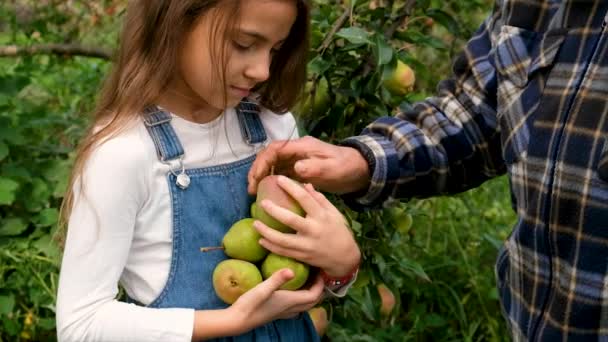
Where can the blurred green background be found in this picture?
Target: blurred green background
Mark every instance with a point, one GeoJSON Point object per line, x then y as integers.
{"type": "Point", "coordinates": [53, 56]}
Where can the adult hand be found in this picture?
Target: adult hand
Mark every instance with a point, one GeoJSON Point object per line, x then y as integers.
{"type": "Point", "coordinates": [327, 167]}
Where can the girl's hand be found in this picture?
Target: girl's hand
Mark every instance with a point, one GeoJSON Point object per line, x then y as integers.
{"type": "Point", "coordinates": [265, 302]}
{"type": "Point", "coordinates": [322, 238]}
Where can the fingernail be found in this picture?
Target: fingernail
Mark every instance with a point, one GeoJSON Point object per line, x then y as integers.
{"type": "Point", "coordinates": [299, 167]}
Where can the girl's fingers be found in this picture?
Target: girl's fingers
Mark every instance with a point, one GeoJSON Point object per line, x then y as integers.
{"type": "Point", "coordinates": [289, 315]}
{"type": "Point", "coordinates": [319, 197]}
{"type": "Point", "coordinates": [311, 295]}
{"type": "Point", "coordinates": [276, 249]}
{"type": "Point", "coordinates": [300, 194]}
{"type": "Point", "coordinates": [303, 300]}
{"type": "Point", "coordinates": [301, 308]}
{"type": "Point", "coordinates": [288, 241]}
{"type": "Point", "coordinates": [264, 290]}
{"type": "Point", "coordinates": [284, 216]}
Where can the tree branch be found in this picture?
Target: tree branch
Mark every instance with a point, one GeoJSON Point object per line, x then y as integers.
{"type": "Point", "coordinates": [337, 26]}
{"type": "Point", "coordinates": [404, 13]}
{"type": "Point", "coordinates": [54, 49]}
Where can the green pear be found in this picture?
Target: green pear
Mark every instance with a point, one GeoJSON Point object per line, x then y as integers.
{"type": "Point", "coordinates": [268, 188]}
{"type": "Point", "coordinates": [400, 218]}
{"type": "Point", "coordinates": [242, 242]}
{"type": "Point", "coordinates": [275, 262]}
{"type": "Point", "coordinates": [232, 278]}
{"type": "Point", "coordinates": [401, 80]}
{"type": "Point", "coordinates": [253, 209]}
{"type": "Point", "coordinates": [309, 107]}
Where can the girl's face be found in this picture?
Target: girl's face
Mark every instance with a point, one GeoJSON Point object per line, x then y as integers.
{"type": "Point", "coordinates": [262, 27]}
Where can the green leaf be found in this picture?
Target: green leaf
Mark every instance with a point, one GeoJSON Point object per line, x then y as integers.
{"type": "Point", "coordinates": [46, 323]}
{"type": "Point", "coordinates": [445, 20]}
{"type": "Point", "coordinates": [434, 320]}
{"type": "Point", "coordinates": [419, 38]}
{"type": "Point", "coordinates": [47, 217]}
{"type": "Point", "coordinates": [413, 267]}
{"type": "Point", "coordinates": [13, 85]}
{"type": "Point", "coordinates": [368, 307]}
{"type": "Point", "coordinates": [38, 196]}
{"type": "Point", "coordinates": [12, 135]}
{"type": "Point", "coordinates": [7, 303]}
{"type": "Point", "coordinates": [354, 35]}
{"type": "Point", "coordinates": [3, 150]}
{"type": "Point", "coordinates": [47, 246]}
{"type": "Point", "coordinates": [356, 226]}
{"type": "Point", "coordinates": [11, 326]}
{"type": "Point", "coordinates": [382, 51]}
{"type": "Point", "coordinates": [12, 226]}
{"type": "Point", "coordinates": [8, 187]}
{"type": "Point", "coordinates": [318, 65]}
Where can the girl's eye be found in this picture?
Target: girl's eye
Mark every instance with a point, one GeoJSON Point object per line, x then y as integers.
{"type": "Point", "coordinates": [242, 46]}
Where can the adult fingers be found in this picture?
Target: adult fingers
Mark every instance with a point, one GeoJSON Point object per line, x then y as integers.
{"type": "Point", "coordinates": [275, 153]}
{"type": "Point", "coordinates": [262, 166]}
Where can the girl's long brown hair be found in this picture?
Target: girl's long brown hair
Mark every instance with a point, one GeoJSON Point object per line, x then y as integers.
{"type": "Point", "coordinates": [146, 61]}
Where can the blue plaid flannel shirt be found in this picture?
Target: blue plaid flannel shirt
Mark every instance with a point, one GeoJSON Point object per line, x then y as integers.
{"type": "Point", "coordinates": [527, 97]}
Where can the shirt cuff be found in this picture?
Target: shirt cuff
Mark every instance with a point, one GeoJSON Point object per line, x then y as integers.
{"type": "Point", "coordinates": [383, 160]}
{"type": "Point", "coordinates": [340, 290]}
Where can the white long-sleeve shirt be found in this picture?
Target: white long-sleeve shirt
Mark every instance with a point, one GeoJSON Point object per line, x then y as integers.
{"type": "Point", "coordinates": [120, 230]}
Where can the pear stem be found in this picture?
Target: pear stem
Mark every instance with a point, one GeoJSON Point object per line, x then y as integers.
{"type": "Point", "coordinates": [209, 249]}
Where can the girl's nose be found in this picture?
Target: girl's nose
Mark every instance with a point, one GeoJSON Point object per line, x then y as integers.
{"type": "Point", "coordinates": [260, 69]}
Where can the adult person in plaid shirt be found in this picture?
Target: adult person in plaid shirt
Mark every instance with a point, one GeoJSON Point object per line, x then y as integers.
{"type": "Point", "coordinates": [529, 97]}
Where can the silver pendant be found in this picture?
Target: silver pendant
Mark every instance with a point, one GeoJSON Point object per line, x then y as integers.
{"type": "Point", "coordinates": [183, 181]}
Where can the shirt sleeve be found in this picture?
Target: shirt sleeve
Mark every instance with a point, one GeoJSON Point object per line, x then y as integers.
{"type": "Point", "coordinates": [446, 144]}
{"type": "Point", "coordinates": [100, 231]}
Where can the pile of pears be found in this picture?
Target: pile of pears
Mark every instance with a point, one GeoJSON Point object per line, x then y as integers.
{"type": "Point", "coordinates": [250, 263]}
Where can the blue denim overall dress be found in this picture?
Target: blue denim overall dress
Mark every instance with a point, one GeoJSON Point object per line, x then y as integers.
{"type": "Point", "coordinates": [205, 203]}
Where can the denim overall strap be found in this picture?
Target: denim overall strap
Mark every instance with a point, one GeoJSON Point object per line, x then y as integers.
{"type": "Point", "coordinates": [202, 213]}
{"type": "Point", "coordinates": [166, 142]}
{"type": "Point", "coordinates": [249, 119]}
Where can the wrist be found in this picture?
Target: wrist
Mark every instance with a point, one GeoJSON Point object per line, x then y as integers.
{"type": "Point", "coordinates": [345, 270]}
{"type": "Point", "coordinates": [363, 161]}
{"type": "Point", "coordinates": [210, 324]}
{"type": "Point", "coordinates": [238, 321]}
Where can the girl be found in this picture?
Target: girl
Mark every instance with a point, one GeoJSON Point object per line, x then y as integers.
{"type": "Point", "coordinates": [163, 172]}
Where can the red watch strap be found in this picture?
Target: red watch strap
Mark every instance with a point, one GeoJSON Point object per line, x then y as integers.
{"type": "Point", "coordinates": [338, 281]}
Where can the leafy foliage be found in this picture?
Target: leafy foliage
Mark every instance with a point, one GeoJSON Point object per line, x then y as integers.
{"type": "Point", "coordinates": [439, 267]}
